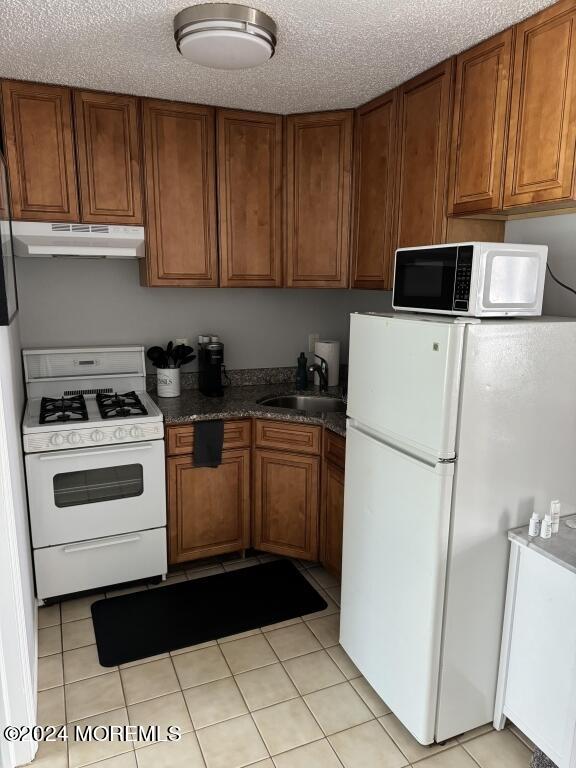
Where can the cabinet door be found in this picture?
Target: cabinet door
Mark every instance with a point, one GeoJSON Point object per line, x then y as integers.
{"type": "Point", "coordinates": [40, 151]}
{"type": "Point", "coordinates": [479, 127]}
{"type": "Point", "coordinates": [424, 118]}
{"type": "Point", "coordinates": [542, 137]}
{"type": "Point", "coordinates": [332, 519]}
{"type": "Point", "coordinates": [286, 500]}
{"type": "Point", "coordinates": [375, 165]}
{"type": "Point", "coordinates": [250, 198]}
{"type": "Point", "coordinates": [208, 508]}
{"type": "Point", "coordinates": [180, 194]}
{"type": "Point", "coordinates": [109, 157]}
{"type": "Point", "coordinates": [318, 189]}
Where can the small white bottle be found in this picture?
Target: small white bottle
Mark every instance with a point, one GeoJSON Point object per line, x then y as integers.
{"type": "Point", "coordinates": [546, 527]}
{"type": "Point", "coordinates": [534, 525]}
{"type": "Point", "coordinates": [555, 508]}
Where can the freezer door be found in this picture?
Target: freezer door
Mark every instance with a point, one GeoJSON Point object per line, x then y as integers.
{"type": "Point", "coordinates": [396, 525]}
{"type": "Point", "coordinates": [404, 378]}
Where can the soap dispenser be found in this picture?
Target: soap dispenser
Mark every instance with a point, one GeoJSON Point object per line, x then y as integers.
{"type": "Point", "coordinates": [302, 372]}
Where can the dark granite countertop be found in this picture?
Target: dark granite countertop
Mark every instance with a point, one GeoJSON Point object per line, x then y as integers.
{"type": "Point", "coordinates": [242, 401]}
{"type": "Point", "coordinates": [560, 547]}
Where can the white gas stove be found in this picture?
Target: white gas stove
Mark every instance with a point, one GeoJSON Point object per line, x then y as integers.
{"type": "Point", "coordinates": [94, 448]}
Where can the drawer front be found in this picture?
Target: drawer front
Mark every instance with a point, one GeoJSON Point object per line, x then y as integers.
{"type": "Point", "coordinates": [288, 436]}
{"type": "Point", "coordinates": [334, 448]}
{"type": "Point", "coordinates": [180, 440]}
{"type": "Point", "coordinates": [100, 562]}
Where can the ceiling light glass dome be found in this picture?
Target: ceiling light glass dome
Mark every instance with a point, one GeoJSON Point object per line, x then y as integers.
{"type": "Point", "coordinates": [225, 36]}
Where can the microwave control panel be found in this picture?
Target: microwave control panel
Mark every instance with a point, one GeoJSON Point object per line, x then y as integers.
{"type": "Point", "coordinates": [463, 278]}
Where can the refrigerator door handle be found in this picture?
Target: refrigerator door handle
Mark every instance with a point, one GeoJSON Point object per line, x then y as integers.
{"type": "Point", "coordinates": [431, 461]}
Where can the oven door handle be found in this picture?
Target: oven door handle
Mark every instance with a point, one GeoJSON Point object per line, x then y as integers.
{"type": "Point", "coordinates": [100, 544]}
{"type": "Point", "coordinates": [105, 452]}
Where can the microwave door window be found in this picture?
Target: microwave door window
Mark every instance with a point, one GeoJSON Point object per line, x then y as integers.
{"type": "Point", "coordinates": [72, 489]}
{"type": "Point", "coordinates": [425, 282]}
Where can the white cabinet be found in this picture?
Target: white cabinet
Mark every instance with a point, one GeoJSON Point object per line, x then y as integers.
{"type": "Point", "coordinates": [537, 679]}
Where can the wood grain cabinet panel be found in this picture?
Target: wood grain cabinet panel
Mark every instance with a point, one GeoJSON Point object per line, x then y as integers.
{"type": "Point", "coordinates": [180, 439]}
{"type": "Point", "coordinates": [332, 518]}
{"type": "Point", "coordinates": [288, 436]}
{"type": "Point", "coordinates": [208, 508]}
{"type": "Point", "coordinates": [40, 151]}
{"type": "Point", "coordinates": [109, 157]}
{"type": "Point", "coordinates": [334, 448]}
{"type": "Point", "coordinates": [249, 161]}
{"type": "Point", "coordinates": [286, 503]}
{"type": "Point", "coordinates": [179, 170]}
{"type": "Point", "coordinates": [422, 171]}
{"type": "Point", "coordinates": [542, 137]}
{"type": "Point", "coordinates": [375, 166]}
{"type": "Point", "coordinates": [318, 192]}
{"type": "Point", "coordinates": [480, 126]}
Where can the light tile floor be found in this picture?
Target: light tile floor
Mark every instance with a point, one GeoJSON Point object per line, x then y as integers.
{"type": "Point", "coordinates": [284, 696]}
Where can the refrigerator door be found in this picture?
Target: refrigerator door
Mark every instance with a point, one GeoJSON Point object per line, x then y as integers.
{"type": "Point", "coordinates": [404, 379]}
{"type": "Point", "coordinates": [396, 526]}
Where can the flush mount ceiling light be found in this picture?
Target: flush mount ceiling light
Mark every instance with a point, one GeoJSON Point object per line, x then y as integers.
{"type": "Point", "coordinates": [225, 36]}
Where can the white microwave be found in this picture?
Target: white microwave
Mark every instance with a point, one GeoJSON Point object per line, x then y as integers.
{"type": "Point", "coordinates": [471, 279]}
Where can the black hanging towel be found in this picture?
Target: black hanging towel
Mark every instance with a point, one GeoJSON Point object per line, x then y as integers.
{"type": "Point", "coordinates": [208, 441]}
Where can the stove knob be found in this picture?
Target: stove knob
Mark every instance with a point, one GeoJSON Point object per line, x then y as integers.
{"type": "Point", "coordinates": [73, 438]}
{"type": "Point", "coordinates": [136, 432]}
{"type": "Point", "coordinates": [120, 434]}
{"type": "Point", "coordinates": [56, 440]}
{"type": "Point", "coordinates": [97, 436]}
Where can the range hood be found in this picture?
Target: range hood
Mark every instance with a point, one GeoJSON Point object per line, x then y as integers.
{"type": "Point", "coordinates": [82, 241]}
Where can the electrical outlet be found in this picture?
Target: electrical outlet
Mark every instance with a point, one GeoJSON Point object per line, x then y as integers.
{"type": "Point", "coordinates": [181, 341]}
{"type": "Point", "coordinates": [312, 339]}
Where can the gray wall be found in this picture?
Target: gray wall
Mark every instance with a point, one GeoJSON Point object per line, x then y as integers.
{"type": "Point", "coordinates": [74, 302]}
{"type": "Point", "coordinates": [69, 302]}
{"type": "Point", "coordinates": [559, 234]}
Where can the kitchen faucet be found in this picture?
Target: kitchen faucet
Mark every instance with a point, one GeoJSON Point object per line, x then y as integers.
{"type": "Point", "coordinates": [322, 371]}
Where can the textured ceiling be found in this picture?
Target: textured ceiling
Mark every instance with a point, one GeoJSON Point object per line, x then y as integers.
{"type": "Point", "coordinates": [330, 54]}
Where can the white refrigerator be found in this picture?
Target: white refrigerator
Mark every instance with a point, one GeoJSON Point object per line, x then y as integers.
{"type": "Point", "coordinates": [458, 429]}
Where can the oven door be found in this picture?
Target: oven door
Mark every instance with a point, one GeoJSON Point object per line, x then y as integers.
{"type": "Point", "coordinates": [424, 279]}
{"type": "Point", "coordinates": [93, 492]}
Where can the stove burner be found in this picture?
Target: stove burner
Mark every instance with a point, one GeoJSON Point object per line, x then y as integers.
{"type": "Point", "coordinates": [120, 406]}
{"type": "Point", "coordinates": [58, 409]}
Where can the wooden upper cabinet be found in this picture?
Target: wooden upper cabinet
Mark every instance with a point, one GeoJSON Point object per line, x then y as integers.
{"type": "Point", "coordinates": [179, 171]}
{"type": "Point", "coordinates": [318, 191]}
{"type": "Point", "coordinates": [422, 169]}
{"type": "Point", "coordinates": [480, 126]}
{"type": "Point", "coordinates": [249, 161]}
{"type": "Point", "coordinates": [375, 166]}
{"type": "Point", "coordinates": [542, 138]}
{"type": "Point", "coordinates": [40, 151]}
{"type": "Point", "coordinates": [109, 157]}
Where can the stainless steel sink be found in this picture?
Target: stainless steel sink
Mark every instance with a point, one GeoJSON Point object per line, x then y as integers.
{"type": "Point", "coordinates": [307, 403]}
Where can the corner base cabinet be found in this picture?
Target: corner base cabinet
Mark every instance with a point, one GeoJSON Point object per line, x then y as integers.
{"type": "Point", "coordinates": [273, 491]}
{"type": "Point", "coordinates": [287, 488]}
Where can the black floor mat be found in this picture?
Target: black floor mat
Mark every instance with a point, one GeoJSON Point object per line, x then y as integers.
{"type": "Point", "coordinates": [142, 624]}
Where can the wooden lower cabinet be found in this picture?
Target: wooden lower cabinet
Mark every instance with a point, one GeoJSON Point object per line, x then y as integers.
{"type": "Point", "coordinates": [332, 518]}
{"type": "Point", "coordinates": [208, 508]}
{"type": "Point", "coordinates": [332, 512]}
{"type": "Point", "coordinates": [276, 494]}
{"type": "Point", "coordinates": [286, 503]}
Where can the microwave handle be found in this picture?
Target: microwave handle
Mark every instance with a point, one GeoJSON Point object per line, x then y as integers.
{"type": "Point", "coordinates": [100, 544]}
{"type": "Point", "coordinates": [106, 452]}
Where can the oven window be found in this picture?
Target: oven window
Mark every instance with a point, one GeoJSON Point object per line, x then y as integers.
{"type": "Point", "coordinates": [424, 279]}
{"type": "Point", "coordinates": [96, 485]}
